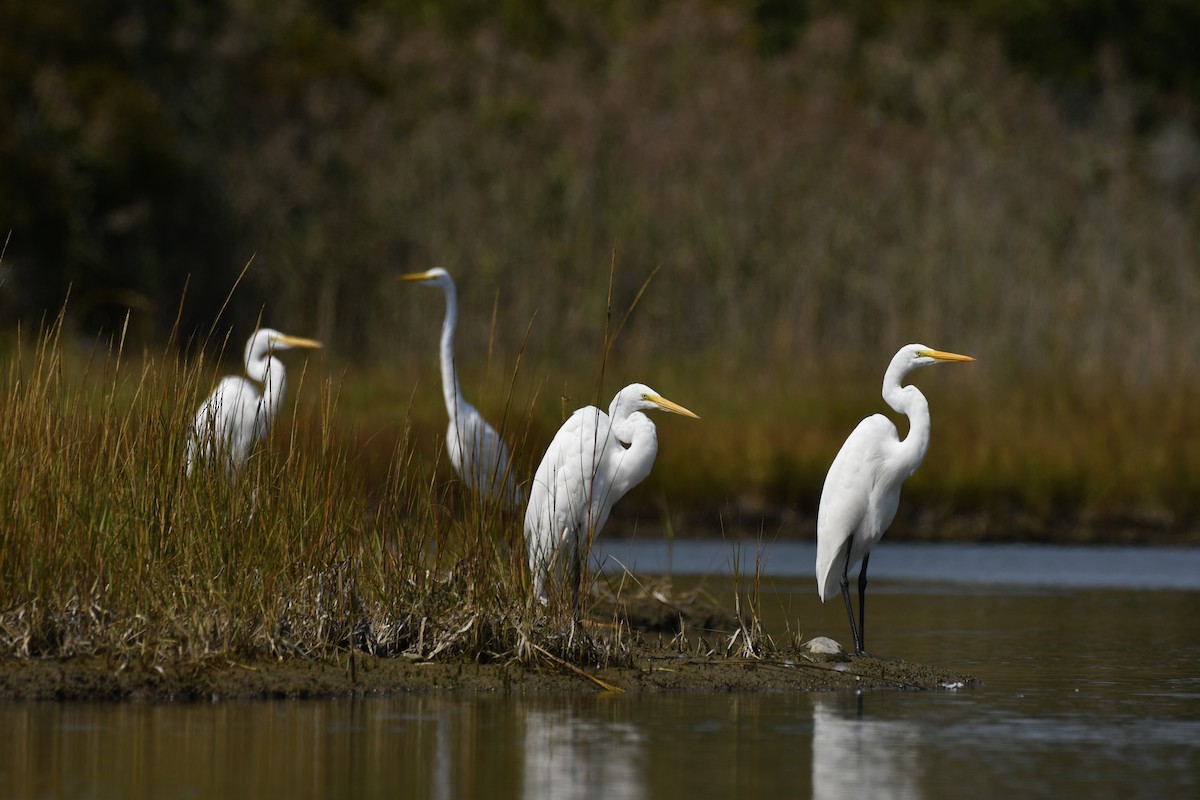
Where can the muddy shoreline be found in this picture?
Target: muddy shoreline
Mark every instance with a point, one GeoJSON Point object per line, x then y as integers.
{"type": "Point", "coordinates": [643, 628]}
{"type": "Point", "coordinates": [645, 667]}
{"type": "Point", "coordinates": [651, 670]}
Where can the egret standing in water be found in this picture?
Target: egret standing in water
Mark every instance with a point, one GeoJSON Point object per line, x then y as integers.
{"type": "Point", "coordinates": [593, 460]}
{"type": "Point", "coordinates": [477, 452]}
{"type": "Point", "coordinates": [237, 415]}
{"type": "Point", "coordinates": [862, 489]}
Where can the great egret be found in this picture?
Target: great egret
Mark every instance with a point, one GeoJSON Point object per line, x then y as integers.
{"type": "Point", "coordinates": [593, 460]}
{"type": "Point", "coordinates": [862, 489]}
{"type": "Point", "coordinates": [236, 415]}
{"type": "Point", "coordinates": [477, 452]}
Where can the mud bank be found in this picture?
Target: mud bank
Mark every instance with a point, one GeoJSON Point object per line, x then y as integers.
{"type": "Point", "coordinates": [649, 670]}
{"type": "Point", "coordinates": [664, 641]}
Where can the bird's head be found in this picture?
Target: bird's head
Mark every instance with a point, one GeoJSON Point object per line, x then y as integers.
{"type": "Point", "coordinates": [268, 340]}
{"type": "Point", "coordinates": [433, 277]}
{"type": "Point", "coordinates": [913, 356]}
{"type": "Point", "coordinates": [640, 397]}
{"type": "Point", "coordinates": [281, 341]}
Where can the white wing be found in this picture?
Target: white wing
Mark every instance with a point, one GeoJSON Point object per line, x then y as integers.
{"type": "Point", "coordinates": [228, 424]}
{"type": "Point", "coordinates": [858, 501]}
{"type": "Point", "coordinates": [561, 507]}
{"type": "Point", "coordinates": [481, 458]}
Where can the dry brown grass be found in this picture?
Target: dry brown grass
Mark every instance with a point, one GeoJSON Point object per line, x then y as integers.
{"type": "Point", "coordinates": [107, 549]}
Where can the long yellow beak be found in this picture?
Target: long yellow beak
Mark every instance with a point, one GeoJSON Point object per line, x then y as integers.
{"type": "Point", "coordinates": [941, 355]}
{"type": "Point", "coordinates": [415, 276]}
{"type": "Point", "coordinates": [296, 341]}
{"type": "Point", "coordinates": [668, 405]}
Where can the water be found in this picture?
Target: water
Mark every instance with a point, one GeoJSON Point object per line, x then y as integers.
{"type": "Point", "coordinates": [1090, 659]}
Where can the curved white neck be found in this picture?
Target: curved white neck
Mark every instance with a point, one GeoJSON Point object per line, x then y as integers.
{"type": "Point", "coordinates": [640, 439]}
{"type": "Point", "coordinates": [909, 401]}
{"type": "Point", "coordinates": [450, 388]}
{"type": "Point", "coordinates": [269, 372]}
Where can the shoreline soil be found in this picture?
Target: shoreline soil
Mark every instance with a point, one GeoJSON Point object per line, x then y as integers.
{"type": "Point", "coordinates": [653, 656]}
{"type": "Point", "coordinates": [651, 670]}
{"type": "Point", "coordinates": [655, 659]}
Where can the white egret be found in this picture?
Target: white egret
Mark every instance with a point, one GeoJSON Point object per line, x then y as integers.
{"type": "Point", "coordinates": [477, 452]}
{"type": "Point", "coordinates": [862, 490]}
{"type": "Point", "coordinates": [236, 415]}
{"type": "Point", "coordinates": [593, 460]}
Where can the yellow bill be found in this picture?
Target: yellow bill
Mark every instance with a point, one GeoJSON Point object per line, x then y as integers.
{"type": "Point", "coordinates": [668, 405]}
{"type": "Point", "coordinates": [417, 276]}
{"type": "Point", "coordinates": [942, 355]}
{"type": "Point", "coordinates": [296, 341]}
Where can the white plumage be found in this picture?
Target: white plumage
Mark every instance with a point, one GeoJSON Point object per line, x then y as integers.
{"type": "Point", "coordinates": [476, 451]}
{"type": "Point", "coordinates": [859, 499]}
{"type": "Point", "coordinates": [237, 414]}
{"type": "Point", "coordinates": [593, 460]}
{"type": "Point", "coordinates": [862, 489]}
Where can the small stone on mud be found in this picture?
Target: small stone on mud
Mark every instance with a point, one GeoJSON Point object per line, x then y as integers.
{"type": "Point", "coordinates": [822, 648]}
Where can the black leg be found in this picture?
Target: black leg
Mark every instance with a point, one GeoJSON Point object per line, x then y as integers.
{"type": "Point", "coordinates": [576, 576]}
{"type": "Point", "coordinates": [858, 648]}
{"type": "Point", "coordinates": [862, 606]}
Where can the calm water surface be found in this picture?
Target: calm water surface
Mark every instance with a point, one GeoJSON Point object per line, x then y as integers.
{"type": "Point", "coordinates": [1090, 658]}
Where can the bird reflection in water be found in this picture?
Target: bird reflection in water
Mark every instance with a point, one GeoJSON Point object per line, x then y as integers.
{"type": "Point", "coordinates": [855, 755]}
{"type": "Point", "coordinates": [572, 757]}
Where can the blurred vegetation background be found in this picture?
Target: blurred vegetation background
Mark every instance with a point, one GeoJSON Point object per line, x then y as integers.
{"type": "Point", "coordinates": [817, 183]}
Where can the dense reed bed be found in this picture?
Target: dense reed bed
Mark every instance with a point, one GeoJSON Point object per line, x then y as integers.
{"type": "Point", "coordinates": [108, 550]}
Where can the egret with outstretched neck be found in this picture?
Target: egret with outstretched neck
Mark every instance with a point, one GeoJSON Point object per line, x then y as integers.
{"type": "Point", "coordinates": [477, 452]}
{"type": "Point", "coordinates": [862, 490]}
{"type": "Point", "coordinates": [237, 415]}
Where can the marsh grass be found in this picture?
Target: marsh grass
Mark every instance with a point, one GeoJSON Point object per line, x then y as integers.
{"type": "Point", "coordinates": [108, 549]}
{"type": "Point", "coordinates": [331, 539]}
{"type": "Point", "coordinates": [346, 535]}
